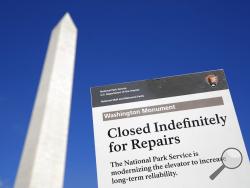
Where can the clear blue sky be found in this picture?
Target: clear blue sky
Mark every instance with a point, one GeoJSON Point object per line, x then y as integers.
{"type": "Point", "coordinates": [118, 41]}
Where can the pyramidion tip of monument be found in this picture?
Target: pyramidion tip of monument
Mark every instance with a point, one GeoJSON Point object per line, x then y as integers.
{"type": "Point", "coordinates": [67, 21]}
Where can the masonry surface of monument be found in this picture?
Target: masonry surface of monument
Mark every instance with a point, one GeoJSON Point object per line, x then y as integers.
{"type": "Point", "coordinates": [43, 159]}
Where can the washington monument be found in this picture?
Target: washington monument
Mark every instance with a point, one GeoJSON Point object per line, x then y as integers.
{"type": "Point", "coordinates": [43, 159]}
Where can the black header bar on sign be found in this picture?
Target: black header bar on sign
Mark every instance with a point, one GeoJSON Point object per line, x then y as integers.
{"type": "Point", "coordinates": [159, 88]}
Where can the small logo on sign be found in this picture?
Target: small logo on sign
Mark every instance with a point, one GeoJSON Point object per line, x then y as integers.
{"type": "Point", "coordinates": [212, 80]}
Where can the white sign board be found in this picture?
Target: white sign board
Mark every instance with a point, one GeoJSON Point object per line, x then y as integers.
{"type": "Point", "coordinates": [178, 132]}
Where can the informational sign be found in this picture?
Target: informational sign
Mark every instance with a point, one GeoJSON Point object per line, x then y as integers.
{"type": "Point", "coordinates": [179, 131]}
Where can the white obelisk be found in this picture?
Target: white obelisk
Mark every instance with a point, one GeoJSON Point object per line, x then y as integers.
{"type": "Point", "coordinates": [43, 159]}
